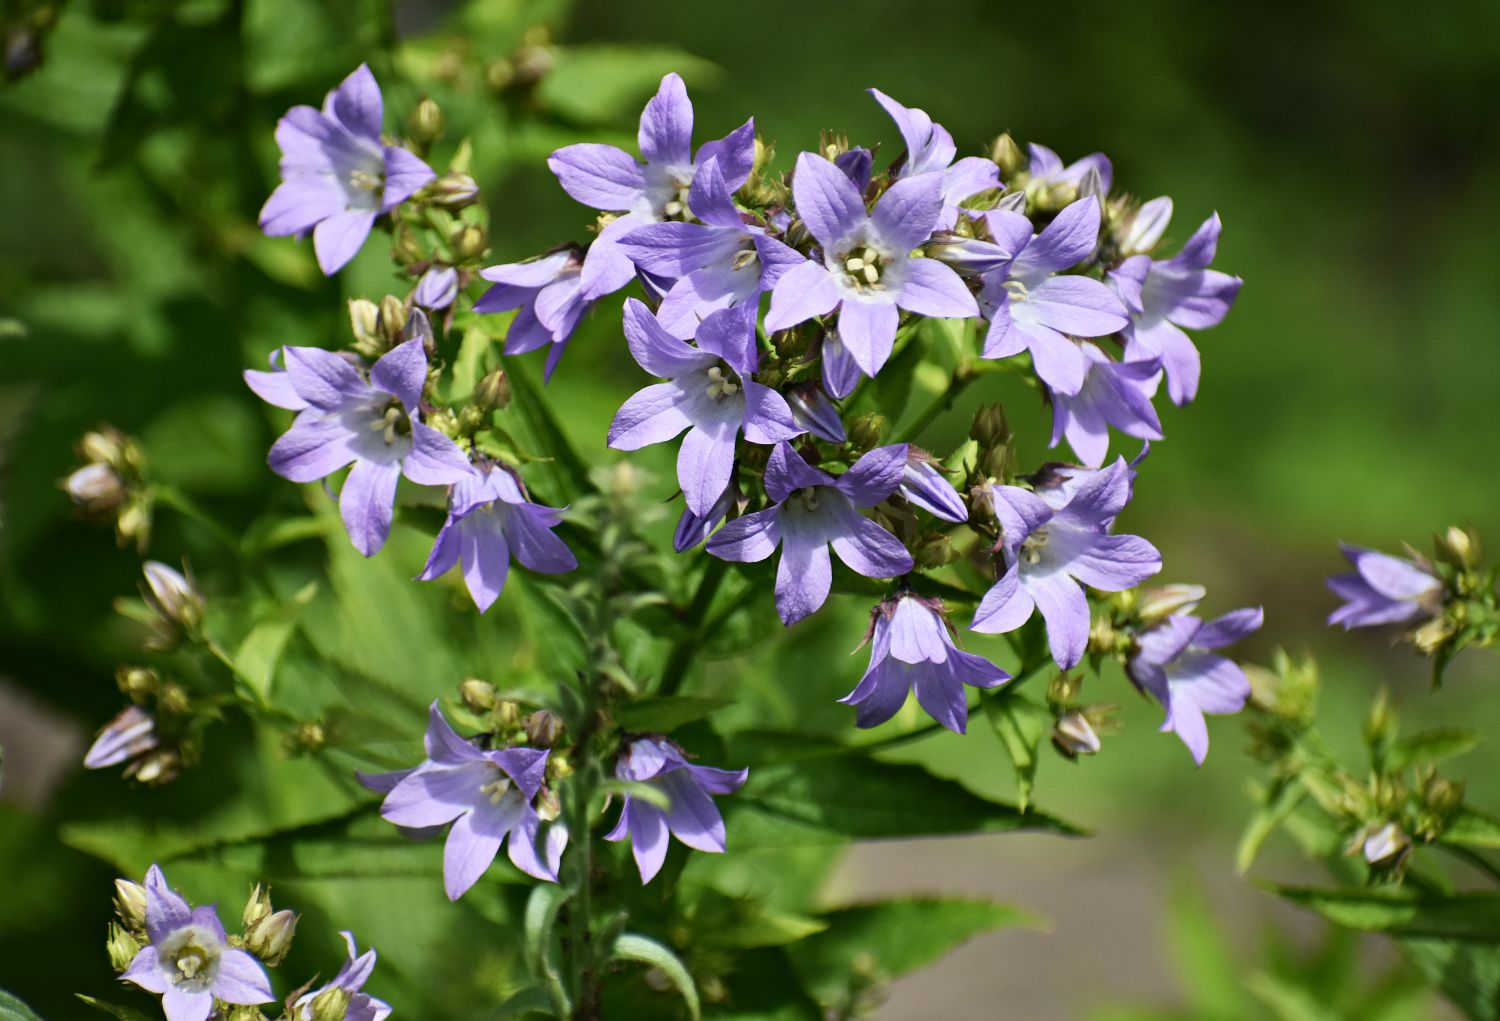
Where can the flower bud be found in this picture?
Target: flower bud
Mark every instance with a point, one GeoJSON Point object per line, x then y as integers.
{"type": "Point", "coordinates": [934, 549]}
{"type": "Point", "coordinates": [105, 446]}
{"type": "Point", "coordinates": [477, 695]}
{"type": "Point", "coordinates": [1381, 724]}
{"type": "Point", "coordinates": [493, 392]}
{"type": "Point", "coordinates": [498, 74]}
{"type": "Point", "coordinates": [172, 699]}
{"type": "Point", "coordinates": [1459, 547]}
{"type": "Point", "coordinates": [544, 728]}
{"type": "Point", "coordinates": [173, 596]}
{"type": "Point", "coordinates": [455, 191]}
{"type": "Point", "coordinates": [270, 938]}
{"type": "Point", "coordinates": [309, 736]}
{"type": "Point", "coordinates": [469, 242]}
{"type": "Point", "coordinates": [130, 904]}
{"type": "Point", "coordinates": [137, 682]}
{"type": "Point", "coordinates": [97, 488]}
{"type": "Point", "coordinates": [157, 767]}
{"type": "Point", "coordinates": [1008, 156]}
{"type": "Point", "coordinates": [122, 947]}
{"type": "Point", "coordinates": [990, 427]}
{"type": "Point", "coordinates": [548, 804]}
{"type": "Point", "coordinates": [1433, 635]}
{"type": "Point", "coordinates": [1092, 184]}
{"type": "Point", "coordinates": [406, 250]}
{"type": "Point", "coordinates": [1157, 604]}
{"type": "Point", "coordinates": [866, 430]}
{"type": "Point", "coordinates": [392, 320]}
{"type": "Point", "coordinates": [507, 716]}
{"type": "Point", "coordinates": [425, 124]}
{"type": "Point", "coordinates": [332, 1004]}
{"type": "Point", "coordinates": [364, 321]}
{"type": "Point", "coordinates": [129, 735]}
{"type": "Point", "coordinates": [558, 767]}
{"type": "Point", "coordinates": [1062, 691]}
{"type": "Point", "coordinates": [1073, 735]}
{"type": "Point", "coordinates": [1387, 847]}
{"type": "Point", "coordinates": [257, 907]}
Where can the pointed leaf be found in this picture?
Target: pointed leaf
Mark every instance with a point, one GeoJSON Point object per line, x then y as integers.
{"type": "Point", "coordinates": [634, 947]}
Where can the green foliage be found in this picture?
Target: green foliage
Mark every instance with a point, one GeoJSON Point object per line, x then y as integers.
{"type": "Point", "coordinates": [12, 1009]}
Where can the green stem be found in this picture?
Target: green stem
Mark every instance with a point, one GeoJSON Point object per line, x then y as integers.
{"type": "Point", "coordinates": [1473, 858]}
{"type": "Point", "coordinates": [962, 377]}
{"type": "Point", "coordinates": [686, 650]}
{"type": "Point", "coordinates": [169, 496]}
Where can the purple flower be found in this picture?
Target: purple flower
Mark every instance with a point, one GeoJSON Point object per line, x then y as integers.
{"type": "Point", "coordinates": [709, 393]}
{"type": "Point", "coordinates": [923, 485]}
{"type": "Point", "coordinates": [1384, 590]}
{"type": "Point", "coordinates": [608, 178]}
{"type": "Point", "coordinates": [131, 733]}
{"type": "Point", "coordinates": [1046, 168]}
{"type": "Point", "coordinates": [1164, 295]}
{"type": "Point", "coordinates": [1174, 664]}
{"type": "Point", "coordinates": [719, 263]}
{"type": "Point", "coordinates": [913, 649]}
{"type": "Point", "coordinates": [549, 293]}
{"type": "Point", "coordinates": [1050, 548]}
{"type": "Point", "coordinates": [694, 528]}
{"type": "Point", "coordinates": [930, 150]}
{"type": "Point", "coordinates": [815, 413]}
{"type": "Point", "coordinates": [486, 795]}
{"type": "Point", "coordinates": [693, 818]}
{"type": "Point", "coordinates": [372, 424]}
{"type": "Point", "coordinates": [810, 511]}
{"type": "Point", "coordinates": [489, 520]}
{"type": "Point", "coordinates": [866, 271]}
{"type": "Point", "coordinates": [1031, 309]}
{"type": "Point", "coordinates": [437, 289]}
{"type": "Point", "coordinates": [337, 177]}
{"type": "Point", "coordinates": [1113, 394]}
{"type": "Point", "coordinates": [189, 961]}
{"type": "Point", "coordinates": [351, 980]}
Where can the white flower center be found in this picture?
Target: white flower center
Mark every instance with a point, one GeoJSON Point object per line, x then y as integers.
{"type": "Point", "coordinates": [744, 257]}
{"type": "Point", "coordinates": [808, 497]}
{"type": "Point", "coordinates": [863, 269]}
{"type": "Point", "coordinates": [1017, 290]}
{"type": "Point", "coordinates": [363, 180]}
{"type": "Point", "coordinates": [394, 424]}
{"type": "Point", "coordinates": [1033, 545]}
{"type": "Point", "coordinates": [190, 958]}
{"type": "Point", "coordinates": [720, 385]}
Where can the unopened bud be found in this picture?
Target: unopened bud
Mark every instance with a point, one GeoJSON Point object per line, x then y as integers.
{"type": "Point", "coordinates": [130, 904]}
{"type": "Point", "coordinates": [257, 907]}
{"type": "Point", "coordinates": [134, 523]}
{"type": "Point", "coordinates": [105, 446]}
{"type": "Point", "coordinates": [173, 596]}
{"type": "Point", "coordinates": [455, 190]}
{"type": "Point", "coordinates": [1157, 604]}
{"type": "Point", "coordinates": [130, 734]}
{"type": "Point", "coordinates": [270, 938]}
{"type": "Point", "coordinates": [544, 728]}
{"type": "Point", "coordinates": [137, 682]}
{"type": "Point", "coordinates": [309, 736]}
{"type": "Point", "coordinates": [406, 249]}
{"type": "Point", "coordinates": [1460, 547]}
{"type": "Point", "coordinates": [477, 695]}
{"type": "Point", "coordinates": [507, 716]}
{"type": "Point", "coordinates": [866, 430]}
{"type": "Point", "coordinates": [1381, 724]}
{"type": "Point", "coordinates": [425, 124]}
{"type": "Point", "coordinates": [1387, 847]}
{"type": "Point", "coordinates": [1062, 691]}
{"type": "Point", "coordinates": [157, 767]}
{"type": "Point", "coordinates": [1092, 183]}
{"type": "Point", "coordinates": [122, 947]}
{"type": "Point", "coordinates": [364, 321]}
{"type": "Point", "coordinates": [990, 427]}
{"type": "Point", "coordinates": [558, 767]}
{"type": "Point", "coordinates": [469, 242]}
{"type": "Point", "coordinates": [392, 319]}
{"type": "Point", "coordinates": [498, 74]}
{"type": "Point", "coordinates": [172, 699]}
{"type": "Point", "coordinates": [934, 549]}
{"type": "Point", "coordinates": [1441, 797]}
{"type": "Point", "coordinates": [1433, 635]}
{"type": "Point", "coordinates": [332, 1004]}
{"type": "Point", "coordinates": [1073, 735]}
{"type": "Point", "coordinates": [493, 391]}
{"type": "Point", "coordinates": [97, 488]}
{"type": "Point", "coordinates": [548, 805]}
{"type": "Point", "coordinates": [1008, 156]}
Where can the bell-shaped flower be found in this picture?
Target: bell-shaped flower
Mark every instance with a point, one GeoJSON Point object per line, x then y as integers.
{"type": "Point", "coordinates": [1384, 590]}
{"type": "Point", "coordinates": [549, 294]}
{"type": "Point", "coordinates": [719, 263]}
{"type": "Point", "coordinates": [1174, 662]}
{"type": "Point", "coordinates": [350, 982]}
{"type": "Point", "coordinates": [489, 521]}
{"type": "Point", "coordinates": [923, 485]}
{"type": "Point", "coordinates": [1045, 169]}
{"type": "Point", "coordinates": [930, 150]}
{"type": "Point", "coordinates": [1113, 394]}
{"type": "Point", "coordinates": [1032, 308]}
{"type": "Point", "coordinates": [487, 796]}
{"type": "Point", "coordinates": [1165, 296]}
{"type": "Point", "coordinates": [437, 289]}
{"type": "Point", "coordinates": [650, 190]}
{"type": "Point", "coordinates": [1052, 551]}
{"type": "Point", "coordinates": [866, 270]}
{"type": "Point", "coordinates": [708, 392]}
{"type": "Point", "coordinates": [189, 961]}
{"type": "Point", "coordinates": [372, 423]}
{"type": "Point", "coordinates": [130, 734]}
{"type": "Point", "coordinates": [692, 817]}
{"type": "Point", "coordinates": [810, 511]}
{"type": "Point", "coordinates": [815, 413]}
{"type": "Point", "coordinates": [337, 175]}
{"type": "Point", "coordinates": [912, 648]}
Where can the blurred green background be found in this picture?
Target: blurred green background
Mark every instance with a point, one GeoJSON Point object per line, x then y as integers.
{"type": "Point", "coordinates": [1349, 147]}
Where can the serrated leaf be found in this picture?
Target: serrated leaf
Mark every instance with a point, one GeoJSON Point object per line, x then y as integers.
{"type": "Point", "coordinates": [1020, 725]}
{"type": "Point", "coordinates": [884, 941]}
{"type": "Point", "coordinates": [635, 947]}
{"type": "Point", "coordinates": [1471, 828]}
{"type": "Point", "coordinates": [1468, 916]}
{"type": "Point", "coordinates": [12, 1008]}
{"type": "Point", "coordinates": [1281, 802]}
{"type": "Point", "coordinates": [1432, 746]}
{"type": "Point", "coordinates": [666, 713]}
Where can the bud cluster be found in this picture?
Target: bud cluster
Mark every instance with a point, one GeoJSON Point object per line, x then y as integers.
{"type": "Point", "coordinates": [111, 484]}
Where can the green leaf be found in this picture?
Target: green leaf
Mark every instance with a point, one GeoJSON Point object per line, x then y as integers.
{"type": "Point", "coordinates": [598, 84]}
{"type": "Point", "coordinates": [1202, 961]}
{"type": "Point", "coordinates": [541, 914]}
{"type": "Point", "coordinates": [874, 943]}
{"type": "Point", "coordinates": [532, 1000]}
{"type": "Point", "coordinates": [1432, 746]}
{"type": "Point", "coordinates": [261, 649]}
{"type": "Point", "coordinates": [13, 1009]}
{"type": "Point", "coordinates": [1287, 1001]}
{"type": "Point", "coordinates": [570, 476]}
{"type": "Point", "coordinates": [113, 1009]}
{"type": "Point", "coordinates": [1471, 828]}
{"type": "Point", "coordinates": [289, 42]}
{"type": "Point", "coordinates": [1020, 725]}
{"type": "Point", "coordinates": [666, 713]}
{"type": "Point", "coordinates": [1468, 974]}
{"type": "Point", "coordinates": [635, 947]}
{"type": "Point", "coordinates": [1467, 916]}
{"type": "Point", "coordinates": [553, 630]}
{"type": "Point", "coordinates": [1279, 803]}
{"type": "Point", "coordinates": [845, 797]}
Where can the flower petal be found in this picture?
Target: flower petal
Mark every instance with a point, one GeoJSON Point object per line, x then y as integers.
{"type": "Point", "coordinates": [828, 202]}
{"type": "Point", "coordinates": [666, 131]}
{"type": "Point", "coordinates": [600, 176]}
{"type": "Point", "coordinates": [467, 854]}
{"type": "Point", "coordinates": [933, 289]}
{"type": "Point", "coordinates": [804, 291]}
{"type": "Point", "coordinates": [1066, 611]}
{"type": "Point", "coordinates": [338, 238]}
{"type": "Point", "coordinates": [367, 502]}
